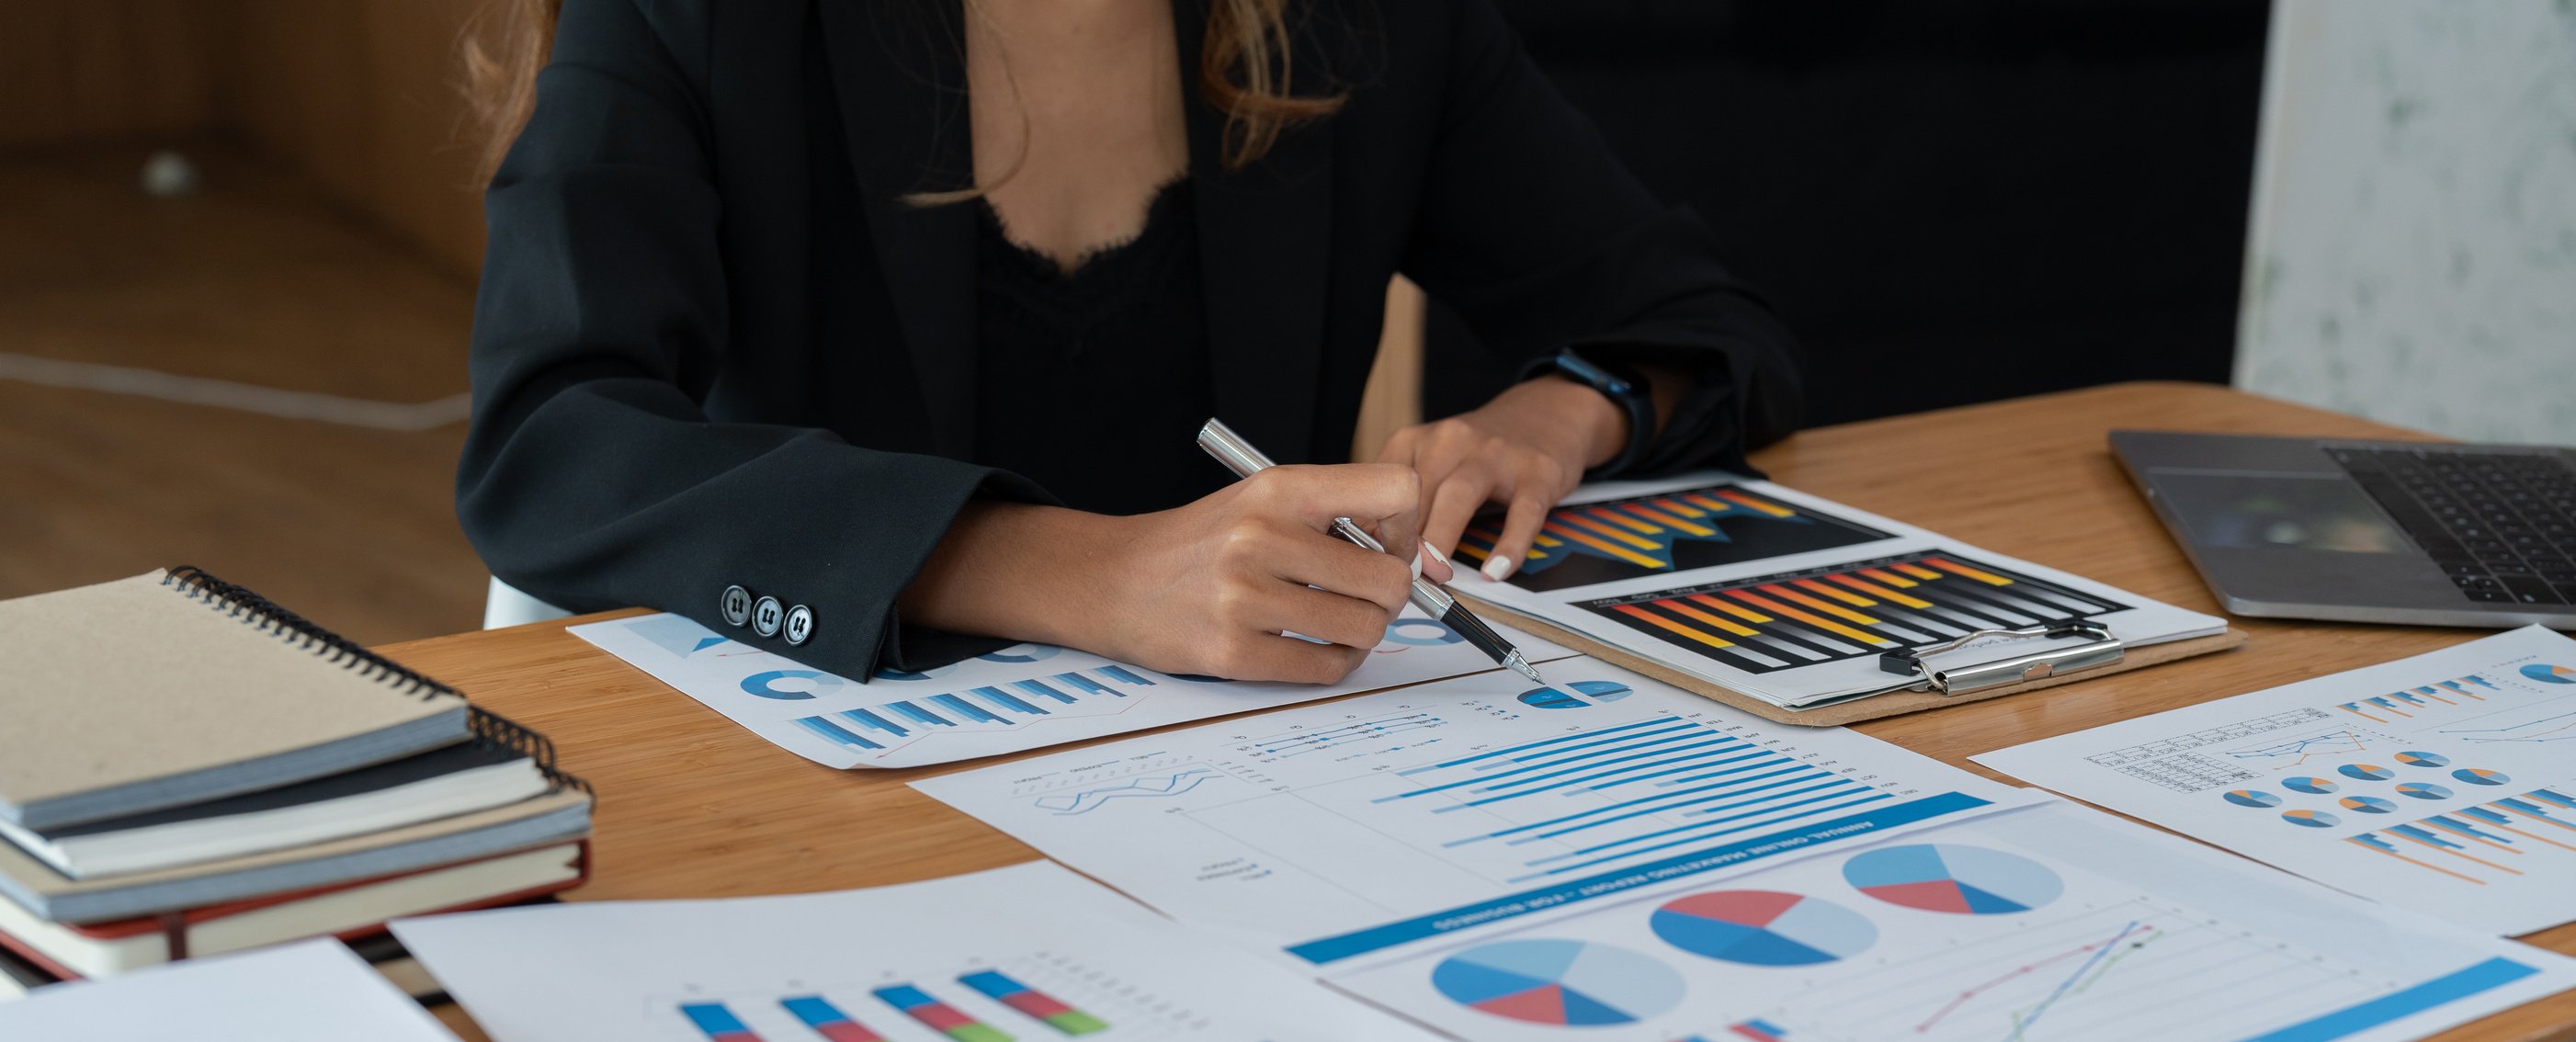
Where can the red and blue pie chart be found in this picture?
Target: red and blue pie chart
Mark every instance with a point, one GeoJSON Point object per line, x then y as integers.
{"type": "Point", "coordinates": [2252, 798]}
{"type": "Point", "coordinates": [1762, 927]}
{"type": "Point", "coordinates": [1582, 693]}
{"type": "Point", "coordinates": [2424, 790]}
{"type": "Point", "coordinates": [1559, 982]}
{"type": "Point", "coordinates": [1952, 877]}
{"type": "Point", "coordinates": [2315, 819]}
{"type": "Point", "coordinates": [2365, 771]}
{"type": "Point", "coordinates": [2480, 776]}
{"type": "Point", "coordinates": [2303, 783]}
{"type": "Point", "coordinates": [2422, 759]}
{"type": "Point", "coordinates": [2549, 674]}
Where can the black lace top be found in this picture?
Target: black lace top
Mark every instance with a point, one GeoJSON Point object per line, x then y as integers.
{"type": "Point", "coordinates": [1094, 383]}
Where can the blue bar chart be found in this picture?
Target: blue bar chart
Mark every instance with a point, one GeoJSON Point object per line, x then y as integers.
{"type": "Point", "coordinates": [871, 727]}
{"type": "Point", "coordinates": [1646, 787]}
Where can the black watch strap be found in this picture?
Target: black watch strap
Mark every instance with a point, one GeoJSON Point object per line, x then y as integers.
{"type": "Point", "coordinates": [1625, 390]}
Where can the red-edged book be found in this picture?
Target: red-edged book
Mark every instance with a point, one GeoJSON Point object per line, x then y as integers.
{"type": "Point", "coordinates": [350, 911]}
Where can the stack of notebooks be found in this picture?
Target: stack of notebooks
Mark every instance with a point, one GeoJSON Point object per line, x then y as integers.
{"type": "Point", "coordinates": [187, 769]}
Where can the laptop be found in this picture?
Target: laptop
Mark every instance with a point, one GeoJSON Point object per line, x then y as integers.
{"type": "Point", "coordinates": [2369, 531]}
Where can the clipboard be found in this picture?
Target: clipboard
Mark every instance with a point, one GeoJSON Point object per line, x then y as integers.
{"type": "Point", "coordinates": [2017, 670]}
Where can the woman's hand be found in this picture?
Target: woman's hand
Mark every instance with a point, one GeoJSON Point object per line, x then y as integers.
{"type": "Point", "coordinates": [1206, 588]}
{"type": "Point", "coordinates": [1526, 448]}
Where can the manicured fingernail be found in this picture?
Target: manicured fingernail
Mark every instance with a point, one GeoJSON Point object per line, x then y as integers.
{"type": "Point", "coordinates": [1497, 567]}
{"type": "Point", "coordinates": [1429, 551]}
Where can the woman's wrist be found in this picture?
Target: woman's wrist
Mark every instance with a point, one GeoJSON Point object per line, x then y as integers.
{"type": "Point", "coordinates": [1001, 572]}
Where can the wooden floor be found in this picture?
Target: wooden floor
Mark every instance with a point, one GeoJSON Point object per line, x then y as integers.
{"type": "Point", "coordinates": [253, 280]}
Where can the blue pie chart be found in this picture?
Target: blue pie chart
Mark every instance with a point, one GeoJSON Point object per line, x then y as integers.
{"type": "Point", "coordinates": [2414, 758]}
{"type": "Point", "coordinates": [1762, 927]}
{"type": "Point", "coordinates": [2252, 798]}
{"type": "Point", "coordinates": [1953, 877]}
{"type": "Point", "coordinates": [2365, 771]}
{"type": "Point", "coordinates": [1559, 982]}
{"type": "Point", "coordinates": [2549, 674]}
{"type": "Point", "coordinates": [2316, 786]}
{"type": "Point", "coordinates": [1577, 695]}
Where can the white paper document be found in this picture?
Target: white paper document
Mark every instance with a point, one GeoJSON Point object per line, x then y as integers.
{"type": "Point", "coordinates": [1023, 697]}
{"type": "Point", "coordinates": [2036, 925]}
{"type": "Point", "coordinates": [2444, 783]}
{"type": "Point", "coordinates": [1026, 952]}
{"type": "Point", "coordinates": [1784, 596]}
{"type": "Point", "coordinates": [313, 991]}
{"type": "Point", "coordinates": [1326, 834]}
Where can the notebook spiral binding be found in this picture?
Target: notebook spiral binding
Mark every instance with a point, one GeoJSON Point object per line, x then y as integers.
{"type": "Point", "coordinates": [268, 616]}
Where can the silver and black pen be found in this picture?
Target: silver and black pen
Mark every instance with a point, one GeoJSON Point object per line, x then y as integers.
{"type": "Point", "coordinates": [1240, 457]}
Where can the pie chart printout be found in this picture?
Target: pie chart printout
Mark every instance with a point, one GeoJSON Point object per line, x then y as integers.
{"type": "Point", "coordinates": [2480, 776]}
{"type": "Point", "coordinates": [2549, 674]}
{"type": "Point", "coordinates": [2365, 771]}
{"type": "Point", "coordinates": [2418, 759]}
{"type": "Point", "coordinates": [2252, 798]}
{"type": "Point", "coordinates": [1559, 982]}
{"type": "Point", "coordinates": [1949, 877]}
{"type": "Point", "coordinates": [2424, 790]}
{"type": "Point", "coordinates": [2368, 804]}
{"type": "Point", "coordinates": [2316, 786]}
{"type": "Point", "coordinates": [1763, 927]}
{"type": "Point", "coordinates": [2315, 819]}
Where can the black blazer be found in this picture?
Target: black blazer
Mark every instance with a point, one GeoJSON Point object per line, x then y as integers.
{"type": "Point", "coordinates": [714, 348]}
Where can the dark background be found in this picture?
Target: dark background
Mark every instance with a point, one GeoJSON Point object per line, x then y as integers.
{"type": "Point", "coordinates": [1949, 203]}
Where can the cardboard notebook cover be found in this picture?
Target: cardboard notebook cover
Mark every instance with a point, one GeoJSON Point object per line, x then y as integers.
{"type": "Point", "coordinates": [1894, 703]}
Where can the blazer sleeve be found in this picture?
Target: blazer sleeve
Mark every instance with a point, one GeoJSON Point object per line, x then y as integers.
{"type": "Point", "coordinates": [592, 477]}
{"type": "Point", "coordinates": [1541, 239]}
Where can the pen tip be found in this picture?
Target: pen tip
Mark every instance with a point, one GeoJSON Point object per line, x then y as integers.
{"type": "Point", "coordinates": [1525, 669]}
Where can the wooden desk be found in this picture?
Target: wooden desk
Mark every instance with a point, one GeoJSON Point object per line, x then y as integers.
{"type": "Point", "coordinates": [693, 806]}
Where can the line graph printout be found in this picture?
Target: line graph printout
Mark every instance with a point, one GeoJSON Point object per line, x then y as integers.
{"type": "Point", "coordinates": [1021, 697]}
{"type": "Point", "coordinates": [1788, 597]}
{"type": "Point", "coordinates": [1027, 952]}
{"type": "Point", "coordinates": [2430, 782]}
{"type": "Point", "coordinates": [1341, 831]}
{"type": "Point", "coordinates": [2035, 925]}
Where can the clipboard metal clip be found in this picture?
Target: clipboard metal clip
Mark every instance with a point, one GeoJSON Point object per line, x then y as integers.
{"type": "Point", "coordinates": [2101, 649]}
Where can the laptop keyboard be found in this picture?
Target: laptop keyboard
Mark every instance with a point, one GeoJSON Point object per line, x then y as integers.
{"type": "Point", "coordinates": [2502, 525]}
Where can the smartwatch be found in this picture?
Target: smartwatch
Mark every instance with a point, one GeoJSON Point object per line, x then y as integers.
{"type": "Point", "coordinates": [1626, 391]}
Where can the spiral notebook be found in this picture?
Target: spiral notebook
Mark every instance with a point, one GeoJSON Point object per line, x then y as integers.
{"type": "Point", "coordinates": [175, 688]}
{"type": "Point", "coordinates": [125, 700]}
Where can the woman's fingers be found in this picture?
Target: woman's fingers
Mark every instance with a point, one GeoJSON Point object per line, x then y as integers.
{"type": "Point", "coordinates": [1384, 498]}
{"type": "Point", "coordinates": [1326, 616]}
{"type": "Point", "coordinates": [1541, 483]}
{"type": "Point", "coordinates": [1454, 504]}
{"type": "Point", "coordinates": [1269, 656]}
{"type": "Point", "coordinates": [1349, 571]}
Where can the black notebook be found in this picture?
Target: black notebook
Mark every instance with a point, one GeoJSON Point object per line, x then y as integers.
{"type": "Point", "coordinates": [459, 779]}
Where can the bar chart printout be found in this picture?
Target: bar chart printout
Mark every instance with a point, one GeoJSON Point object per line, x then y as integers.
{"type": "Point", "coordinates": [1583, 544]}
{"type": "Point", "coordinates": [2384, 781]}
{"type": "Point", "coordinates": [1506, 807]}
{"type": "Point", "coordinates": [1846, 611]}
{"type": "Point", "coordinates": [1025, 953]}
{"type": "Point", "coordinates": [2045, 924]}
{"type": "Point", "coordinates": [1019, 698]}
